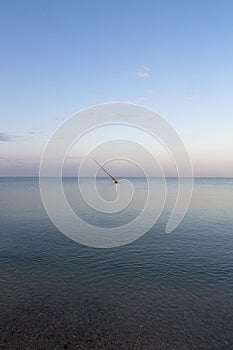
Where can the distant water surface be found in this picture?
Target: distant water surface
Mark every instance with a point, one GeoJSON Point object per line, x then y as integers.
{"type": "Point", "coordinates": [163, 291]}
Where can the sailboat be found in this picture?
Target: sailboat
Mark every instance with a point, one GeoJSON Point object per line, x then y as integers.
{"type": "Point", "coordinates": [107, 173]}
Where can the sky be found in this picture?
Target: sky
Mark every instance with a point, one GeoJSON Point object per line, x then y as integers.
{"type": "Point", "coordinates": [60, 57]}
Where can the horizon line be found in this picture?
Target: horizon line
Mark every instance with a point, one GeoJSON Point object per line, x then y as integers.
{"type": "Point", "coordinates": [119, 177]}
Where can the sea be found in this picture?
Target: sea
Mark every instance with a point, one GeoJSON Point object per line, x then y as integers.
{"type": "Point", "coordinates": [160, 291]}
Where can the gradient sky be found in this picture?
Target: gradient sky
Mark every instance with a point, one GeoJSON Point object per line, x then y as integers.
{"type": "Point", "coordinates": [59, 57]}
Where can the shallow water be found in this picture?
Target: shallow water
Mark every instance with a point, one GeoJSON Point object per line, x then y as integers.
{"type": "Point", "coordinates": [163, 291]}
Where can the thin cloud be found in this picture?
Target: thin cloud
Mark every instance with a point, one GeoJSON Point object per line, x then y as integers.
{"type": "Point", "coordinates": [146, 68]}
{"type": "Point", "coordinates": [5, 137]}
{"type": "Point", "coordinates": [34, 132]}
{"type": "Point", "coordinates": [144, 72]}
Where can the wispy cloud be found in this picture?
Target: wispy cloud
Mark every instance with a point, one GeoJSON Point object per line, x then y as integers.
{"type": "Point", "coordinates": [34, 132]}
{"type": "Point", "coordinates": [5, 137]}
{"type": "Point", "coordinates": [17, 138]}
{"type": "Point", "coordinates": [144, 72]}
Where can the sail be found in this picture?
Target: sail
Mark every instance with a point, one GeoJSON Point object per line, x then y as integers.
{"type": "Point", "coordinates": [107, 173]}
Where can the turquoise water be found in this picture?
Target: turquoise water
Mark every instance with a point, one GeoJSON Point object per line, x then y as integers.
{"type": "Point", "coordinates": [163, 291]}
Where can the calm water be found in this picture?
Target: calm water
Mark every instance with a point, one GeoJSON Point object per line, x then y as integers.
{"type": "Point", "coordinates": [163, 291]}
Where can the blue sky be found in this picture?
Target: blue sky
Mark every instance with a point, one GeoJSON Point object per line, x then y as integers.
{"type": "Point", "coordinates": [174, 57]}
